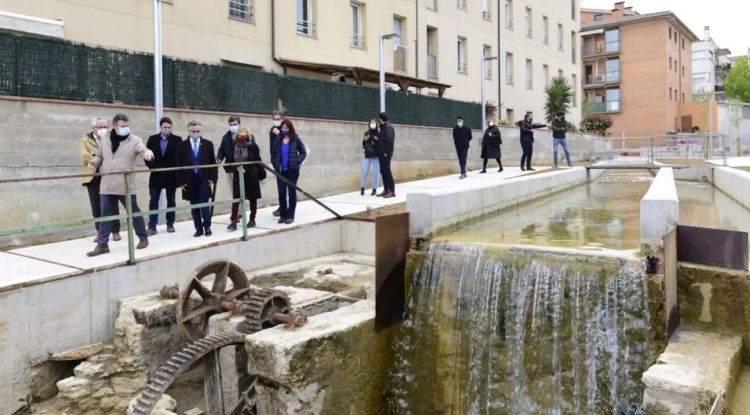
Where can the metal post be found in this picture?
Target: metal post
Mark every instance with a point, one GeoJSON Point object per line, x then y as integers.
{"type": "Point", "coordinates": [484, 103]}
{"type": "Point", "coordinates": [382, 75]}
{"type": "Point", "coordinates": [243, 218]}
{"type": "Point", "coordinates": [129, 210]}
{"type": "Point", "coordinates": [158, 87]}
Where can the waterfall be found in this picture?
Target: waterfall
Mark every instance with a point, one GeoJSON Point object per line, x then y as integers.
{"type": "Point", "coordinates": [490, 330]}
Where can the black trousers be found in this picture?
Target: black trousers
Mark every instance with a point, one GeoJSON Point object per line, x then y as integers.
{"type": "Point", "coordinates": [528, 150]}
{"type": "Point", "coordinates": [385, 170]}
{"type": "Point", "coordinates": [96, 207]}
{"type": "Point", "coordinates": [462, 153]}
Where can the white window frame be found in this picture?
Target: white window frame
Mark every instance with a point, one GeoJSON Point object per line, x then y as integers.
{"type": "Point", "coordinates": [508, 68]}
{"type": "Point", "coordinates": [560, 37]}
{"type": "Point", "coordinates": [529, 74]}
{"type": "Point", "coordinates": [235, 10]}
{"type": "Point", "coordinates": [461, 51]}
{"type": "Point", "coordinates": [545, 69]}
{"type": "Point", "coordinates": [306, 27]}
{"type": "Point", "coordinates": [487, 52]}
{"type": "Point", "coordinates": [461, 5]}
{"type": "Point", "coordinates": [545, 23]}
{"type": "Point", "coordinates": [574, 81]}
{"type": "Point", "coordinates": [509, 14]}
{"type": "Point", "coordinates": [357, 38]}
{"type": "Point", "coordinates": [486, 10]}
{"type": "Point", "coordinates": [529, 23]}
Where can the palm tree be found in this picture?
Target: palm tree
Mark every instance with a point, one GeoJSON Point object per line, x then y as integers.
{"type": "Point", "coordinates": [559, 95]}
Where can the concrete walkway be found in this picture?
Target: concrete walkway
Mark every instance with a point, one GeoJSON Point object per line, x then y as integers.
{"type": "Point", "coordinates": [733, 162]}
{"type": "Point", "coordinates": [41, 263]}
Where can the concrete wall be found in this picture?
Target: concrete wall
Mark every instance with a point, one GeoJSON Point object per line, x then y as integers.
{"type": "Point", "coordinates": [660, 209]}
{"type": "Point", "coordinates": [40, 138]}
{"type": "Point", "coordinates": [39, 320]}
{"type": "Point", "coordinates": [734, 182]}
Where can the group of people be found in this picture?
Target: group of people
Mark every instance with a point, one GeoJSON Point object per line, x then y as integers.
{"type": "Point", "coordinates": [108, 150]}
{"type": "Point", "coordinates": [492, 140]}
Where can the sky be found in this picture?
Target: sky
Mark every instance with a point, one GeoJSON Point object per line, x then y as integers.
{"type": "Point", "coordinates": [729, 19]}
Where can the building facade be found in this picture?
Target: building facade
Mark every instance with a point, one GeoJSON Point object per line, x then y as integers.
{"type": "Point", "coordinates": [710, 67]}
{"type": "Point", "coordinates": [438, 48]}
{"type": "Point", "coordinates": [637, 69]}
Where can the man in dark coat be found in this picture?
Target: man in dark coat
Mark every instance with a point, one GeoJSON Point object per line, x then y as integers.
{"type": "Point", "coordinates": [196, 183]}
{"type": "Point", "coordinates": [527, 127]}
{"type": "Point", "coordinates": [164, 146]}
{"type": "Point", "coordinates": [461, 140]}
{"type": "Point", "coordinates": [227, 146]}
{"type": "Point", "coordinates": [386, 145]}
{"type": "Point", "coordinates": [275, 134]}
{"type": "Point", "coordinates": [491, 141]}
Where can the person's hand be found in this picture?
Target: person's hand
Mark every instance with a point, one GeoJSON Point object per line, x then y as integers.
{"type": "Point", "coordinates": [184, 188]}
{"type": "Point", "coordinates": [210, 182]}
{"type": "Point", "coordinates": [275, 131]}
{"type": "Point", "coordinates": [148, 156]}
{"type": "Point", "coordinates": [92, 165]}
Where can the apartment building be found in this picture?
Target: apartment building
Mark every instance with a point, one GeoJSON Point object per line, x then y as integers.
{"type": "Point", "coordinates": [637, 68]}
{"type": "Point", "coordinates": [710, 66]}
{"type": "Point", "coordinates": [438, 47]}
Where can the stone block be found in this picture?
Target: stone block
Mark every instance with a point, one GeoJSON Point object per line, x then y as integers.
{"type": "Point", "coordinates": [74, 388]}
{"type": "Point", "coordinates": [660, 209]}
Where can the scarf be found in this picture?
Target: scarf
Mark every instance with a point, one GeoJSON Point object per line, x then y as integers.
{"type": "Point", "coordinates": [116, 140]}
{"type": "Point", "coordinates": [241, 151]}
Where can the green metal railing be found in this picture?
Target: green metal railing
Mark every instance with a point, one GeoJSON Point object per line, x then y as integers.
{"type": "Point", "coordinates": [130, 215]}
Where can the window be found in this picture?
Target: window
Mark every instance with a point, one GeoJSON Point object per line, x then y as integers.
{"type": "Point", "coordinates": [431, 5]}
{"type": "Point", "coordinates": [461, 58]}
{"type": "Point", "coordinates": [486, 53]}
{"type": "Point", "coordinates": [683, 97]}
{"type": "Point", "coordinates": [670, 32]}
{"type": "Point", "coordinates": [529, 74]}
{"type": "Point", "coordinates": [573, 46]}
{"type": "Point", "coordinates": [241, 10]}
{"type": "Point", "coordinates": [613, 99]}
{"type": "Point", "coordinates": [546, 75]}
{"type": "Point", "coordinates": [670, 93]}
{"type": "Point", "coordinates": [509, 14]}
{"type": "Point", "coordinates": [670, 63]}
{"type": "Point", "coordinates": [612, 69]}
{"type": "Point", "coordinates": [560, 73]}
{"type": "Point", "coordinates": [574, 81]}
{"type": "Point", "coordinates": [683, 71]}
{"type": "Point", "coordinates": [358, 38]}
{"type": "Point", "coordinates": [305, 24]}
{"type": "Point", "coordinates": [399, 52]}
{"type": "Point", "coordinates": [486, 10]}
{"type": "Point", "coordinates": [560, 37]}
{"type": "Point", "coordinates": [683, 43]}
{"type": "Point", "coordinates": [461, 4]}
{"type": "Point", "coordinates": [509, 68]}
{"type": "Point", "coordinates": [573, 10]}
{"type": "Point", "coordinates": [528, 24]}
{"type": "Point", "coordinates": [509, 115]}
{"type": "Point", "coordinates": [545, 24]}
{"type": "Point", "coordinates": [598, 17]}
{"type": "Point", "coordinates": [612, 40]}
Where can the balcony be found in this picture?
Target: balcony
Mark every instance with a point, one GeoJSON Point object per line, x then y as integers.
{"type": "Point", "coordinates": [399, 59]}
{"type": "Point", "coordinates": [432, 67]}
{"type": "Point", "coordinates": [305, 28]}
{"type": "Point", "coordinates": [602, 107]}
{"type": "Point", "coordinates": [486, 15]}
{"type": "Point", "coordinates": [461, 67]}
{"type": "Point", "coordinates": [509, 24]}
{"type": "Point", "coordinates": [595, 81]}
{"type": "Point", "coordinates": [461, 4]}
{"type": "Point", "coordinates": [509, 79]}
{"type": "Point", "coordinates": [357, 41]}
{"type": "Point", "coordinates": [601, 50]}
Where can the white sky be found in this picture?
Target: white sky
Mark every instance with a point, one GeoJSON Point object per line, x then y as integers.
{"type": "Point", "coordinates": [729, 19]}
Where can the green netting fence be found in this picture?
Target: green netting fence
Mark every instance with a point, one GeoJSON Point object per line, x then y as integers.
{"type": "Point", "coordinates": [40, 67]}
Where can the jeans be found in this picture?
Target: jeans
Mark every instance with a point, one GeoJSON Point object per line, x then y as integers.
{"type": "Point", "coordinates": [153, 204]}
{"type": "Point", "coordinates": [385, 170]}
{"type": "Point", "coordinates": [201, 216]}
{"type": "Point", "coordinates": [528, 149]}
{"type": "Point", "coordinates": [463, 154]}
{"type": "Point", "coordinates": [96, 206]}
{"type": "Point", "coordinates": [109, 208]}
{"type": "Point", "coordinates": [366, 163]}
{"type": "Point", "coordinates": [288, 206]}
{"type": "Point", "coordinates": [564, 143]}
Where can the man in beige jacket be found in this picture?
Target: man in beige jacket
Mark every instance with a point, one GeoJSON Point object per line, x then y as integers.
{"type": "Point", "coordinates": [88, 149]}
{"type": "Point", "coordinates": [118, 153]}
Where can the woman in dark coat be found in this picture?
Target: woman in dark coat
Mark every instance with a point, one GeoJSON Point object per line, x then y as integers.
{"type": "Point", "coordinates": [246, 149]}
{"type": "Point", "coordinates": [491, 142]}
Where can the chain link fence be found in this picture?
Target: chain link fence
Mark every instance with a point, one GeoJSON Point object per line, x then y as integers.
{"type": "Point", "coordinates": [40, 67]}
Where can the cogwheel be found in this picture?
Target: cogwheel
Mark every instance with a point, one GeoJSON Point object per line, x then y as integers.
{"type": "Point", "coordinates": [262, 308]}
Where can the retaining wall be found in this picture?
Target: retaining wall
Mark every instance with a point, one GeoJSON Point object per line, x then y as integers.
{"type": "Point", "coordinates": [660, 209]}
{"type": "Point", "coordinates": [733, 182]}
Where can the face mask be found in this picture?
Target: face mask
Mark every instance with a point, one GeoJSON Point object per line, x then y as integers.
{"type": "Point", "coordinates": [285, 132]}
{"type": "Point", "coordinates": [243, 139]}
{"type": "Point", "coordinates": [277, 123]}
{"type": "Point", "coordinates": [123, 131]}
{"type": "Point", "coordinates": [195, 136]}
{"type": "Point", "coordinates": [460, 124]}
{"type": "Point", "coordinates": [233, 128]}
{"type": "Point", "coordinates": [373, 126]}
{"type": "Point", "coordinates": [101, 133]}
{"type": "Point", "coordinates": [492, 124]}
{"type": "Point", "coordinates": [166, 131]}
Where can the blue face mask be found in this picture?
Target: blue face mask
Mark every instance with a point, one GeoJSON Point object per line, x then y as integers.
{"type": "Point", "coordinates": [234, 128]}
{"type": "Point", "coordinates": [285, 132]}
{"type": "Point", "coordinates": [123, 131]}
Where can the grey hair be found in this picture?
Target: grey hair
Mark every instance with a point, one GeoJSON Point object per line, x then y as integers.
{"type": "Point", "coordinates": [194, 123]}
{"type": "Point", "coordinates": [95, 120]}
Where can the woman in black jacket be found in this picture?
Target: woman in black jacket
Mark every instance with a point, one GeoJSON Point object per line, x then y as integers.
{"type": "Point", "coordinates": [369, 146]}
{"type": "Point", "coordinates": [527, 127]}
{"type": "Point", "coordinates": [491, 142]}
{"type": "Point", "coordinates": [246, 149]}
{"type": "Point", "coordinates": [288, 155]}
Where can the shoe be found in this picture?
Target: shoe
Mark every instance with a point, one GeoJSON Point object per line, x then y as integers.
{"type": "Point", "coordinates": [523, 168]}
{"type": "Point", "coordinates": [170, 228]}
{"type": "Point", "coordinates": [570, 165]}
{"type": "Point", "coordinates": [530, 169]}
{"type": "Point", "coordinates": [151, 231]}
{"type": "Point", "coordinates": [198, 233]}
{"type": "Point", "coordinates": [483, 171]}
{"type": "Point", "coordinates": [289, 221]}
{"type": "Point", "coordinates": [361, 191]}
{"type": "Point", "coordinates": [555, 168]}
{"type": "Point", "coordinates": [208, 232]}
{"type": "Point", "coordinates": [500, 170]}
{"type": "Point", "coordinates": [277, 212]}
{"type": "Point", "coordinates": [142, 244]}
{"type": "Point", "coordinates": [251, 224]}
{"type": "Point", "coordinates": [99, 250]}
{"type": "Point", "coordinates": [374, 192]}
{"type": "Point", "coordinates": [389, 195]}
{"type": "Point", "coordinates": [232, 226]}
{"type": "Point", "coordinates": [116, 236]}
{"type": "Point", "coordinates": [282, 220]}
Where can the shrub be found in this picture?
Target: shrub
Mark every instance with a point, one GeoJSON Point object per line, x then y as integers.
{"type": "Point", "coordinates": [596, 124]}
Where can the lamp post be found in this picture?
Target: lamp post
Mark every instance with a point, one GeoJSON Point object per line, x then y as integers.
{"type": "Point", "coordinates": [158, 88]}
{"type": "Point", "coordinates": [482, 76]}
{"type": "Point", "coordinates": [382, 68]}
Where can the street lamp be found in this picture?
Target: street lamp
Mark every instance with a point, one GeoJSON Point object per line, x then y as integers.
{"type": "Point", "coordinates": [382, 68]}
{"type": "Point", "coordinates": [158, 88]}
{"type": "Point", "coordinates": [483, 75]}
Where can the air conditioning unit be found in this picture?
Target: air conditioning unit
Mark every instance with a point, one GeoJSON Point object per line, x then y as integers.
{"type": "Point", "coordinates": [338, 77]}
{"type": "Point", "coordinates": [599, 79]}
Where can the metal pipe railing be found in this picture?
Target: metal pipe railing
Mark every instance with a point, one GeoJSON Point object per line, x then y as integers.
{"type": "Point", "coordinates": [130, 215]}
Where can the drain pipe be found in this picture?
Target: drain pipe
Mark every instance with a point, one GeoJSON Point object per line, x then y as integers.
{"type": "Point", "coordinates": [273, 37]}
{"type": "Point", "coordinates": [499, 70]}
{"type": "Point", "coordinates": [416, 44]}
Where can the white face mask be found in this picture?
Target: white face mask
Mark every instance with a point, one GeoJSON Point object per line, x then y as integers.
{"type": "Point", "coordinates": [277, 123]}
{"type": "Point", "coordinates": [373, 126]}
{"type": "Point", "coordinates": [492, 124]}
{"type": "Point", "coordinates": [460, 124]}
{"type": "Point", "coordinates": [101, 133]}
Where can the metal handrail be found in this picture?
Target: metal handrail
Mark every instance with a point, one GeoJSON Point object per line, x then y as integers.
{"type": "Point", "coordinates": [129, 214]}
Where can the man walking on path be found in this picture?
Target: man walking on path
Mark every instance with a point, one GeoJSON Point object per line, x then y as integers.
{"type": "Point", "coordinates": [386, 145]}
{"type": "Point", "coordinates": [559, 131]}
{"type": "Point", "coordinates": [88, 149]}
{"type": "Point", "coordinates": [273, 135]}
{"type": "Point", "coordinates": [461, 140]}
{"type": "Point", "coordinates": [118, 153]}
{"type": "Point", "coordinates": [491, 141]}
{"type": "Point", "coordinates": [196, 183]}
{"type": "Point", "coordinates": [527, 140]}
{"type": "Point", "coordinates": [164, 146]}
